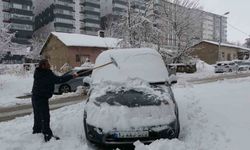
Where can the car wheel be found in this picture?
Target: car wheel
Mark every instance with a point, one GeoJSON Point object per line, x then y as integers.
{"type": "Point", "coordinates": [64, 88]}
{"type": "Point", "coordinates": [85, 129]}
{"type": "Point", "coordinates": [230, 70]}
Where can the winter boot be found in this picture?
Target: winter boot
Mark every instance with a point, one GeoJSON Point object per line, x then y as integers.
{"type": "Point", "coordinates": [47, 137]}
{"type": "Point", "coordinates": [56, 137]}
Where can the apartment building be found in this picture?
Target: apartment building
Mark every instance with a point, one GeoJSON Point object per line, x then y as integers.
{"type": "Point", "coordinates": [17, 16]}
{"type": "Point", "coordinates": [69, 16]}
{"type": "Point", "coordinates": [56, 15]}
{"type": "Point", "coordinates": [120, 7]}
{"type": "Point", "coordinates": [90, 16]}
{"type": "Point", "coordinates": [113, 10]}
{"type": "Point", "coordinates": [206, 25]}
{"type": "Point", "coordinates": [214, 27]}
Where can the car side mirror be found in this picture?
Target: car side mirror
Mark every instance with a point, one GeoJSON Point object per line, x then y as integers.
{"type": "Point", "coordinates": [172, 79]}
{"type": "Point", "coordinates": [87, 81]}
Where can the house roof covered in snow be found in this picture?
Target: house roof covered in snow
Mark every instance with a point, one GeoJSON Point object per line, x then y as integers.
{"type": "Point", "coordinates": [225, 45]}
{"type": "Point", "coordinates": [72, 39]}
{"type": "Point", "coordinates": [82, 40]}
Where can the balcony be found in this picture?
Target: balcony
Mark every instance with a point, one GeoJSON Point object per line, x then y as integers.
{"type": "Point", "coordinates": [90, 1]}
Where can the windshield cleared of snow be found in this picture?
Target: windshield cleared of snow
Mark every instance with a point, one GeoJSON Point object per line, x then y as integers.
{"type": "Point", "coordinates": [143, 63]}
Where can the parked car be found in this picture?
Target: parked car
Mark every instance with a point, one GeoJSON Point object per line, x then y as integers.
{"type": "Point", "coordinates": [132, 101]}
{"type": "Point", "coordinates": [72, 84]}
{"type": "Point", "coordinates": [243, 65]}
{"type": "Point", "coordinates": [225, 66]}
{"type": "Point", "coordinates": [183, 68]}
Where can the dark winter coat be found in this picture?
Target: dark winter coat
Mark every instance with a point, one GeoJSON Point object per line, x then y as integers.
{"type": "Point", "coordinates": [44, 82]}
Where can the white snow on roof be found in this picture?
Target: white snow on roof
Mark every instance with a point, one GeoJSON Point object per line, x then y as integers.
{"type": "Point", "coordinates": [227, 45]}
{"type": "Point", "coordinates": [73, 39]}
{"type": "Point", "coordinates": [142, 63]}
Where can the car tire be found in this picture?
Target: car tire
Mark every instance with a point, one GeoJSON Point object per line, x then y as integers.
{"type": "Point", "coordinates": [64, 89]}
{"type": "Point", "coordinates": [85, 130]}
{"type": "Point", "coordinates": [178, 129]}
{"type": "Point", "coordinates": [230, 70]}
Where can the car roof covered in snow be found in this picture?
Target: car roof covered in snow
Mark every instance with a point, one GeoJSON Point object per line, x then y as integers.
{"type": "Point", "coordinates": [143, 63]}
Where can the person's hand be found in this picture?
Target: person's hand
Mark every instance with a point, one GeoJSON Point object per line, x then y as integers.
{"type": "Point", "coordinates": [75, 75]}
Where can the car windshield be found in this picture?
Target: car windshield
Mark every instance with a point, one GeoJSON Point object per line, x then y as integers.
{"type": "Point", "coordinates": [130, 98]}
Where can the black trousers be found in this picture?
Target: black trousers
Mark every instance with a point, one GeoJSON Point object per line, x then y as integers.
{"type": "Point", "coordinates": [41, 114]}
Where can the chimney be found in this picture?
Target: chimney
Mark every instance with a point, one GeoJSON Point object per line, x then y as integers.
{"type": "Point", "coordinates": [101, 33]}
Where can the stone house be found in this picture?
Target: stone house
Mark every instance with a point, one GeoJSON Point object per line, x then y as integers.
{"type": "Point", "coordinates": [74, 49]}
{"type": "Point", "coordinates": [211, 52]}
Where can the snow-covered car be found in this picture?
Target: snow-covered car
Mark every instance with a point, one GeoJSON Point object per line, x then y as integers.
{"type": "Point", "coordinates": [72, 84]}
{"type": "Point", "coordinates": [243, 65]}
{"type": "Point", "coordinates": [225, 66]}
{"type": "Point", "coordinates": [132, 101]}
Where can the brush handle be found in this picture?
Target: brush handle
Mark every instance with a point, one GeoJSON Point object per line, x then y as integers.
{"type": "Point", "coordinates": [95, 68]}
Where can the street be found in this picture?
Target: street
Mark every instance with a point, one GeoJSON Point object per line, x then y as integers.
{"type": "Point", "coordinates": [9, 113]}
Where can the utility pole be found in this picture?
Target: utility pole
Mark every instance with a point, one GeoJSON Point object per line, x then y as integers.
{"type": "Point", "coordinates": [220, 38]}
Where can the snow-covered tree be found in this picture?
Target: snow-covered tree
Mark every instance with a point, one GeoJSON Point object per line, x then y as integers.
{"type": "Point", "coordinates": [37, 43]}
{"type": "Point", "coordinates": [5, 40]}
{"type": "Point", "coordinates": [133, 27]}
{"type": "Point", "coordinates": [6, 44]}
{"type": "Point", "coordinates": [247, 43]}
{"type": "Point", "coordinates": [181, 21]}
{"type": "Point", "coordinates": [171, 27]}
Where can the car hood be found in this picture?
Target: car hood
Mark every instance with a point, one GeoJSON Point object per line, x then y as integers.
{"type": "Point", "coordinates": [109, 117]}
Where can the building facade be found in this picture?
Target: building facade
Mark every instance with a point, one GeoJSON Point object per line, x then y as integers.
{"type": "Point", "coordinates": [74, 49]}
{"type": "Point", "coordinates": [211, 52]}
{"type": "Point", "coordinates": [69, 16]}
{"type": "Point", "coordinates": [17, 16]}
{"type": "Point", "coordinates": [90, 16]}
{"type": "Point", "coordinates": [58, 15]}
{"type": "Point", "coordinates": [214, 27]}
{"type": "Point", "coordinates": [204, 25]}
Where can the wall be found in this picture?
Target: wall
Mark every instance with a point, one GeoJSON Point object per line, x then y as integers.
{"type": "Point", "coordinates": [206, 52]}
{"type": "Point", "coordinates": [229, 53]}
{"type": "Point", "coordinates": [210, 53]}
{"type": "Point", "coordinates": [84, 51]}
{"type": "Point", "coordinates": [56, 52]}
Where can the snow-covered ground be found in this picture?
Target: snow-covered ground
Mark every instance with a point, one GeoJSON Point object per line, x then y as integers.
{"type": "Point", "coordinates": [14, 81]}
{"type": "Point", "coordinates": [213, 116]}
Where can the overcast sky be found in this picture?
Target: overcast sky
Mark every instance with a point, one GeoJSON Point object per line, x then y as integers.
{"type": "Point", "coordinates": [238, 17]}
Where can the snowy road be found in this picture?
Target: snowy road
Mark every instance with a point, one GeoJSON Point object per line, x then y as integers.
{"type": "Point", "coordinates": [9, 113]}
{"type": "Point", "coordinates": [213, 116]}
{"type": "Point", "coordinates": [219, 77]}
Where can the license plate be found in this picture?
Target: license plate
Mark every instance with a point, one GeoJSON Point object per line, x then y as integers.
{"type": "Point", "coordinates": [130, 134]}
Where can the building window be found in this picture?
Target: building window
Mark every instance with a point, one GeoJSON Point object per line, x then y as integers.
{"type": "Point", "coordinates": [228, 56]}
{"type": "Point", "coordinates": [77, 58]}
{"type": "Point", "coordinates": [81, 58]}
{"type": "Point", "coordinates": [222, 55]}
{"type": "Point", "coordinates": [21, 27]}
{"type": "Point", "coordinates": [234, 56]}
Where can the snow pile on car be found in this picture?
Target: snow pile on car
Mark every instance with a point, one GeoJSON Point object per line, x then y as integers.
{"type": "Point", "coordinates": [127, 117]}
{"type": "Point", "coordinates": [143, 63]}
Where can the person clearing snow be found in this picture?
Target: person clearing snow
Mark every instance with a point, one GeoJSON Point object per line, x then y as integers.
{"type": "Point", "coordinates": [43, 88]}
